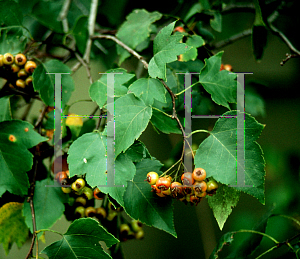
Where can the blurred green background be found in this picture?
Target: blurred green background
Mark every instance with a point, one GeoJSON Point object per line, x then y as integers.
{"type": "Point", "coordinates": [196, 227]}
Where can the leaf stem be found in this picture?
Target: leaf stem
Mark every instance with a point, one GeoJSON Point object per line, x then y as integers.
{"type": "Point", "coordinates": [259, 233]}
{"type": "Point", "coordinates": [197, 131]}
{"type": "Point", "coordinates": [187, 88]}
{"type": "Point", "coordinates": [49, 230]}
{"type": "Point", "coordinates": [162, 112]}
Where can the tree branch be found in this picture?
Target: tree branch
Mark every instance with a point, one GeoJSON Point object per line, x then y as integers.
{"type": "Point", "coordinates": [230, 40]}
{"type": "Point", "coordinates": [63, 14]}
{"type": "Point", "coordinates": [123, 45]}
{"type": "Point", "coordinates": [91, 28]}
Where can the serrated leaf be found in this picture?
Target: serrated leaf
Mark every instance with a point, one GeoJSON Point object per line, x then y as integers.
{"type": "Point", "coordinates": [221, 85]}
{"type": "Point", "coordinates": [13, 17]}
{"type": "Point", "coordinates": [44, 82]}
{"type": "Point", "coordinates": [222, 203]}
{"type": "Point", "coordinates": [86, 155]}
{"type": "Point", "coordinates": [137, 25]}
{"type": "Point", "coordinates": [144, 205]}
{"type": "Point", "coordinates": [225, 240]}
{"type": "Point", "coordinates": [41, 11]}
{"type": "Point", "coordinates": [82, 239]}
{"type": "Point", "coordinates": [16, 137]}
{"type": "Point", "coordinates": [194, 41]}
{"type": "Point", "coordinates": [217, 154]}
{"type": "Point", "coordinates": [98, 90]}
{"type": "Point", "coordinates": [131, 119]}
{"type": "Point", "coordinates": [44, 200]}
{"type": "Point", "coordinates": [5, 112]}
{"type": "Point", "coordinates": [124, 171]}
{"type": "Point", "coordinates": [164, 123]}
{"type": "Point", "coordinates": [166, 49]}
{"type": "Point", "coordinates": [12, 40]}
{"type": "Point", "coordinates": [80, 32]}
{"type": "Point", "coordinates": [148, 89]}
{"type": "Point", "coordinates": [12, 225]}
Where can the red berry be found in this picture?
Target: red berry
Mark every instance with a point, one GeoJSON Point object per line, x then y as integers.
{"type": "Point", "coordinates": [98, 195]}
{"type": "Point", "coordinates": [199, 174]}
{"type": "Point", "coordinates": [163, 183]}
{"type": "Point", "coordinates": [155, 189]}
{"type": "Point", "coordinates": [187, 178]}
{"type": "Point", "coordinates": [199, 188]}
{"type": "Point", "coordinates": [179, 29]}
{"type": "Point", "coordinates": [195, 199]}
{"type": "Point", "coordinates": [152, 177]}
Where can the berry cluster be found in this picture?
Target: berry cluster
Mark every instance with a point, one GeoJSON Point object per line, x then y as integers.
{"type": "Point", "coordinates": [193, 187]}
{"type": "Point", "coordinates": [17, 69]}
{"type": "Point", "coordinates": [82, 204]}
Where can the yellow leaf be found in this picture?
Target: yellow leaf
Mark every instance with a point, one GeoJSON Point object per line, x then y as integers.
{"type": "Point", "coordinates": [12, 225]}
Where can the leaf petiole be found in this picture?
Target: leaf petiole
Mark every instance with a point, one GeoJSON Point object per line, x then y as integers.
{"type": "Point", "coordinates": [50, 230]}
{"type": "Point", "coordinates": [186, 89]}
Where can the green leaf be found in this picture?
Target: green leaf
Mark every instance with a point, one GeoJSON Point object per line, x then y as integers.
{"type": "Point", "coordinates": [166, 49]}
{"type": "Point", "coordinates": [221, 85]}
{"type": "Point", "coordinates": [10, 14]}
{"type": "Point", "coordinates": [216, 23]}
{"type": "Point", "coordinates": [12, 226]}
{"type": "Point", "coordinates": [44, 200]}
{"type": "Point", "coordinates": [87, 156]}
{"type": "Point", "coordinates": [250, 244]}
{"type": "Point", "coordinates": [16, 137]}
{"type": "Point", "coordinates": [5, 112]}
{"type": "Point", "coordinates": [98, 90]}
{"type": "Point", "coordinates": [131, 119]}
{"type": "Point", "coordinates": [137, 152]}
{"type": "Point", "coordinates": [194, 41]}
{"type": "Point", "coordinates": [81, 240]}
{"type": "Point", "coordinates": [44, 82]}
{"type": "Point", "coordinates": [81, 33]}
{"type": "Point", "coordinates": [148, 89]}
{"type": "Point", "coordinates": [124, 171]}
{"type": "Point", "coordinates": [137, 25]}
{"type": "Point", "coordinates": [225, 240]}
{"type": "Point", "coordinates": [12, 40]}
{"type": "Point", "coordinates": [144, 205]}
{"type": "Point", "coordinates": [164, 123]}
{"type": "Point", "coordinates": [222, 203]}
{"type": "Point", "coordinates": [254, 103]}
{"type": "Point", "coordinates": [217, 154]}
{"type": "Point", "coordinates": [41, 11]}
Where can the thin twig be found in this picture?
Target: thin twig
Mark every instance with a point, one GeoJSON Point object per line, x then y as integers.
{"type": "Point", "coordinates": [91, 28]}
{"type": "Point", "coordinates": [41, 117]}
{"type": "Point", "coordinates": [123, 45]}
{"type": "Point", "coordinates": [288, 57]}
{"type": "Point", "coordinates": [231, 39]}
{"type": "Point", "coordinates": [30, 200]}
{"type": "Point", "coordinates": [85, 64]}
{"type": "Point", "coordinates": [63, 15]}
